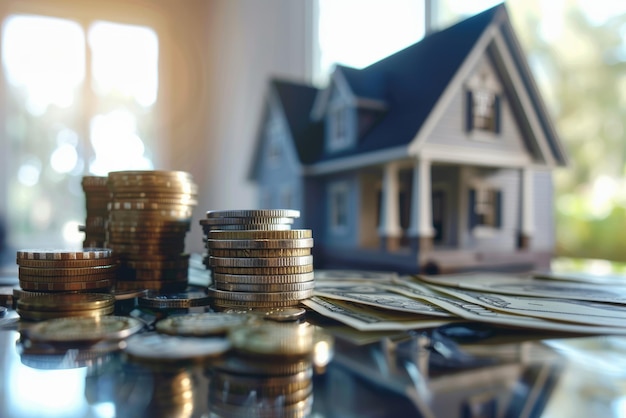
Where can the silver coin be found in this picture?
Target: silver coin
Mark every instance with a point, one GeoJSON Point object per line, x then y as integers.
{"type": "Point", "coordinates": [261, 262]}
{"type": "Point", "coordinates": [263, 279]}
{"type": "Point", "coordinates": [160, 347]}
{"type": "Point", "coordinates": [269, 288]}
{"type": "Point", "coordinates": [260, 243]}
{"type": "Point", "coordinates": [247, 227]}
{"type": "Point", "coordinates": [173, 300]}
{"type": "Point", "coordinates": [246, 220]}
{"type": "Point", "coordinates": [84, 329]}
{"type": "Point", "coordinates": [259, 213]}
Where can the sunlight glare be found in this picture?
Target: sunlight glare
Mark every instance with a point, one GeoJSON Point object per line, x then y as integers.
{"type": "Point", "coordinates": [125, 61]}
{"type": "Point", "coordinates": [45, 57]}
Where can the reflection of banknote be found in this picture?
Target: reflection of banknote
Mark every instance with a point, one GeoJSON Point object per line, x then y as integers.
{"type": "Point", "coordinates": [582, 277]}
{"type": "Point", "coordinates": [581, 312]}
{"type": "Point", "coordinates": [365, 318]}
{"type": "Point", "coordinates": [514, 285]}
{"type": "Point", "coordinates": [376, 295]}
{"type": "Point", "coordinates": [474, 312]}
{"type": "Point", "coordinates": [354, 275]}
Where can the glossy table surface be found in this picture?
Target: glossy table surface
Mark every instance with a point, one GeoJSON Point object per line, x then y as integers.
{"type": "Point", "coordinates": [460, 370]}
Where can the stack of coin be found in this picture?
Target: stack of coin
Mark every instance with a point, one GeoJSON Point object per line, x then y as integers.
{"type": "Point", "coordinates": [96, 200]}
{"type": "Point", "coordinates": [247, 220]}
{"type": "Point", "coordinates": [149, 216]}
{"type": "Point", "coordinates": [86, 270]}
{"type": "Point", "coordinates": [260, 268]}
{"type": "Point", "coordinates": [63, 305]}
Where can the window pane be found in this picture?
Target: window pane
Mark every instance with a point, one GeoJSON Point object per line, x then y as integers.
{"type": "Point", "coordinates": [44, 61]}
{"type": "Point", "coordinates": [125, 84]}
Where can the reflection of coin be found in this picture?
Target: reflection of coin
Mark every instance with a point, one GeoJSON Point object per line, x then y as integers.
{"type": "Point", "coordinates": [66, 301]}
{"type": "Point", "coordinates": [254, 213]}
{"type": "Point", "coordinates": [174, 300]}
{"type": "Point", "coordinates": [84, 329]}
{"type": "Point", "coordinates": [201, 324]}
{"type": "Point", "coordinates": [161, 347]}
{"type": "Point", "coordinates": [274, 339]}
{"type": "Point", "coordinates": [259, 243]}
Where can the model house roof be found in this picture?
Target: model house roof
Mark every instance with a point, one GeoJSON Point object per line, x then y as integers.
{"type": "Point", "coordinates": [407, 85]}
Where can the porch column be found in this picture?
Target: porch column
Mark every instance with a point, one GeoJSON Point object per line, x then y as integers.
{"type": "Point", "coordinates": [421, 231]}
{"type": "Point", "coordinates": [389, 229]}
{"type": "Point", "coordinates": [527, 227]}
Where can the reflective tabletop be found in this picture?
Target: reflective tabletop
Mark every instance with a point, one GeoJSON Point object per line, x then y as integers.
{"type": "Point", "coordinates": [459, 370]}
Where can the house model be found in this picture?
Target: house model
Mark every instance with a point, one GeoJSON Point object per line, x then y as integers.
{"type": "Point", "coordinates": [437, 158]}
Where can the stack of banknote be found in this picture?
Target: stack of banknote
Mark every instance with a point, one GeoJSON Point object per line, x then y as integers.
{"type": "Point", "coordinates": [574, 303]}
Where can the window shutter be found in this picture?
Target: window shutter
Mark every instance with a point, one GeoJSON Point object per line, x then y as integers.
{"type": "Point", "coordinates": [472, 217]}
{"type": "Point", "coordinates": [496, 113]}
{"type": "Point", "coordinates": [469, 111]}
{"type": "Point", "coordinates": [497, 207]}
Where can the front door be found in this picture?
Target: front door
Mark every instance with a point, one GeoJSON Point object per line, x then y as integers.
{"type": "Point", "coordinates": [439, 211]}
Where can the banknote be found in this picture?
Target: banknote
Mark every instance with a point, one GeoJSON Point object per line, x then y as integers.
{"type": "Point", "coordinates": [576, 311]}
{"type": "Point", "coordinates": [369, 318]}
{"type": "Point", "coordinates": [475, 312]}
{"type": "Point", "coordinates": [528, 286]}
{"type": "Point", "coordinates": [375, 294]}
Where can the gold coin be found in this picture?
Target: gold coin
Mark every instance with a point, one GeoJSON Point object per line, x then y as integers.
{"type": "Point", "coordinates": [45, 315]}
{"type": "Point", "coordinates": [65, 287]}
{"type": "Point", "coordinates": [68, 279]}
{"type": "Point", "coordinates": [145, 238]}
{"type": "Point", "coordinates": [260, 243]}
{"type": "Point", "coordinates": [161, 199]}
{"type": "Point", "coordinates": [261, 262]}
{"type": "Point", "coordinates": [267, 288]}
{"type": "Point", "coordinates": [66, 302]}
{"type": "Point", "coordinates": [150, 216]}
{"type": "Point", "coordinates": [147, 206]}
{"type": "Point", "coordinates": [288, 384]}
{"type": "Point", "coordinates": [84, 254]}
{"type": "Point", "coordinates": [251, 253]}
{"type": "Point", "coordinates": [65, 264]}
{"type": "Point", "coordinates": [259, 296]}
{"type": "Point", "coordinates": [66, 271]}
{"type": "Point", "coordinates": [254, 213]}
{"type": "Point", "coordinates": [179, 263]}
{"type": "Point", "coordinates": [148, 225]}
{"type": "Point", "coordinates": [259, 279]}
{"type": "Point", "coordinates": [290, 234]}
{"type": "Point", "coordinates": [269, 271]}
{"type": "Point", "coordinates": [200, 324]}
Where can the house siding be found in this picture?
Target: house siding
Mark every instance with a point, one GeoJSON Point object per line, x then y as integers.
{"type": "Point", "coordinates": [451, 130]}
{"type": "Point", "coordinates": [507, 181]}
{"type": "Point", "coordinates": [278, 166]}
{"type": "Point", "coordinates": [544, 235]}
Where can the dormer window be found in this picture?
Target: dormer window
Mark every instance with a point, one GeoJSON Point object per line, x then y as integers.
{"type": "Point", "coordinates": [483, 111]}
{"type": "Point", "coordinates": [339, 129]}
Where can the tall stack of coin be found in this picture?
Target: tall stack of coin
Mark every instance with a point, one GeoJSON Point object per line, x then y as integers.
{"type": "Point", "coordinates": [96, 200]}
{"type": "Point", "coordinates": [87, 270]}
{"type": "Point", "coordinates": [265, 265]}
{"type": "Point", "coordinates": [149, 216]}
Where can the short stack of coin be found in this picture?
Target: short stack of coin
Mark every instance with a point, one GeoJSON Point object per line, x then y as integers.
{"type": "Point", "coordinates": [96, 201]}
{"type": "Point", "coordinates": [149, 217]}
{"type": "Point", "coordinates": [260, 268]}
{"type": "Point", "coordinates": [64, 305]}
{"type": "Point", "coordinates": [48, 271]}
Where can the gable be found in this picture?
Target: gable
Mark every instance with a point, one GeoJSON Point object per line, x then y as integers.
{"type": "Point", "coordinates": [450, 139]}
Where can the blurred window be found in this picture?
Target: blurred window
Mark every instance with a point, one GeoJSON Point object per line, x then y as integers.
{"type": "Point", "coordinates": [80, 99]}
